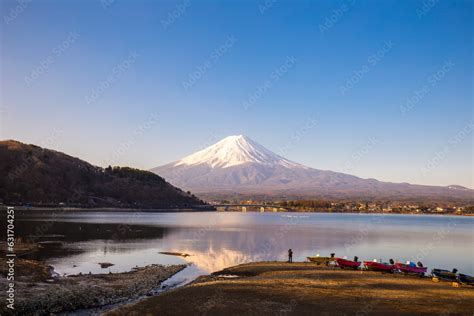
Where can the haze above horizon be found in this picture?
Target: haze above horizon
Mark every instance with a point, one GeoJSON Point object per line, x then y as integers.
{"type": "Point", "coordinates": [377, 90]}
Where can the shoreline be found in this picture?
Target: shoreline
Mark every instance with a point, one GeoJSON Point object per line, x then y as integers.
{"type": "Point", "coordinates": [108, 209]}
{"type": "Point", "coordinates": [300, 288]}
{"type": "Point", "coordinates": [39, 293]}
{"type": "Point", "coordinates": [354, 212]}
{"type": "Point", "coordinates": [261, 287]}
{"type": "Point", "coordinates": [204, 209]}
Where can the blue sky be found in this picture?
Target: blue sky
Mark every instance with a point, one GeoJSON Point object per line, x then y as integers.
{"type": "Point", "coordinates": [379, 89]}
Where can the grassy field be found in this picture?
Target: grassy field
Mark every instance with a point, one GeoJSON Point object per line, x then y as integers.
{"type": "Point", "coordinates": [275, 288]}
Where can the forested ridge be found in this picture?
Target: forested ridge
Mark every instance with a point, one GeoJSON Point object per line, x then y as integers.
{"type": "Point", "coordinates": [31, 175]}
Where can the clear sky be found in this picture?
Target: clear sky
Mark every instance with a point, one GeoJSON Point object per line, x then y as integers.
{"type": "Point", "coordinates": [378, 89]}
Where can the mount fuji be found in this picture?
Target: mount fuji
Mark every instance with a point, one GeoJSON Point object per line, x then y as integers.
{"type": "Point", "coordinates": [237, 165]}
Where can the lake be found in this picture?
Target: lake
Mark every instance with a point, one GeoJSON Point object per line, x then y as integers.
{"type": "Point", "coordinates": [216, 240]}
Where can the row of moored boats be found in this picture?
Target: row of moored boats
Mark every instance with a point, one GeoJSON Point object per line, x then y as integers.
{"type": "Point", "coordinates": [392, 267]}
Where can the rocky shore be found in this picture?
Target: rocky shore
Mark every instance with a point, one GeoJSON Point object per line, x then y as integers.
{"type": "Point", "coordinates": [277, 288]}
{"type": "Point", "coordinates": [37, 293]}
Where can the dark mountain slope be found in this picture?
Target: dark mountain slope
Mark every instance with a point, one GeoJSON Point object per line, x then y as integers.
{"type": "Point", "coordinates": [33, 175]}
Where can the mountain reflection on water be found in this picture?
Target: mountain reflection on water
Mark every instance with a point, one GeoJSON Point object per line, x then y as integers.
{"type": "Point", "coordinates": [219, 240]}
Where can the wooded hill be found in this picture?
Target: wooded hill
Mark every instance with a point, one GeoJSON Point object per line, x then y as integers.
{"type": "Point", "coordinates": [31, 175]}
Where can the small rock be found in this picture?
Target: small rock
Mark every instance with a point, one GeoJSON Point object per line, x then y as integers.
{"type": "Point", "coordinates": [104, 265]}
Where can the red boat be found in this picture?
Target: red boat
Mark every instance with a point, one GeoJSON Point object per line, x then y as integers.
{"type": "Point", "coordinates": [344, 263]}
{"type": "Point", "coordinates": [406, 268]}
{"type": "Point", "coordinates": [377, 266]}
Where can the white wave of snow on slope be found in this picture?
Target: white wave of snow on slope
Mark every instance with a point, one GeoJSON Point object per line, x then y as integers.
{"type": "Point", "coordinates": [234, 151]}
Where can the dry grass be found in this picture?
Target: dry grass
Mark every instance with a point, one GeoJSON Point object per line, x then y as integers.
{"type": "Point", "coordinates": [271, 288]}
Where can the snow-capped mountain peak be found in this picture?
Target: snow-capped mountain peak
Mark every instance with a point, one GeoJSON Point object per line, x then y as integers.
{"type": "Point", "coordinates": [239, 165]}
{"type": "Point", "coordinates": [232, 151]}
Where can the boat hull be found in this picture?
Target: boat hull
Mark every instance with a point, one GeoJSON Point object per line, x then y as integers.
{"type": "Point", "coordinates": [320, 260]}
{"type": "Point", "coordinates": [466, 279]}
{"type": "Point", "coordinates": [404, 268]}
{"type": "Point", "coordinates": [343, 263]}
{"type": "Point", "coordinates": [444, 275]}
{"type": "Point", "coordinates": [376, 266]}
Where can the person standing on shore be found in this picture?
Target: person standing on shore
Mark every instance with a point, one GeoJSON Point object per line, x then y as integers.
{"type": "Point", "coordinates": [290, 255]}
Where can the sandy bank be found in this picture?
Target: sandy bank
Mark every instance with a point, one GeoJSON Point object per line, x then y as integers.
{"type": "Point", "coordinates": [270, 288]}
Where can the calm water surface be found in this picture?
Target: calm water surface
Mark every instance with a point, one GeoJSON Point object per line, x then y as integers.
{"type": "Point", "coordinates": [219, 240]}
